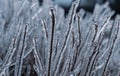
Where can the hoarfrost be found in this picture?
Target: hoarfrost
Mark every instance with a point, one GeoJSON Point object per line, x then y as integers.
{"type": "Point", "coordinates": [40, 41]}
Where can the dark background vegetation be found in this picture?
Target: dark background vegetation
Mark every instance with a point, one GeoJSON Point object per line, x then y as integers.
{"type": "Point", "coordinates": [88, 5]}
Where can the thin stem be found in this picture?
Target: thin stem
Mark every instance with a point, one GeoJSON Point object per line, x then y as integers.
{"type": "Point", "coordinates": [51, 42]}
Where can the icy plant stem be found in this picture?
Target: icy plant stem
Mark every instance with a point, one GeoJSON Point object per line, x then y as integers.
{"type": "Point", "coordinates": [21, 54]}
{"type": "Point", "coordinates": [111, 50]}
{"type": "Point", "coordinates": [72, 16]}
{"type": "Point", "coordinates": [51, 42]}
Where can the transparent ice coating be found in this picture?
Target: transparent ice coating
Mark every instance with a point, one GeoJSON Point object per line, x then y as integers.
{"type": "Point", "coordinates": [41, 41]}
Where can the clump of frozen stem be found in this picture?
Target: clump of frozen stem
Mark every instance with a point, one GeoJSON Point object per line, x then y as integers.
{"type": "Point", "coordinates": [41, 41]}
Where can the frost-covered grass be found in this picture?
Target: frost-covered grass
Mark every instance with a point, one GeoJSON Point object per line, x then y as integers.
{"type": "Point", "coordinates": [40, 41]}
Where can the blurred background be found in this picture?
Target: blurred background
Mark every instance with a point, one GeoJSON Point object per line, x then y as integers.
{"type": "Point", "coordinates": [88, 5]}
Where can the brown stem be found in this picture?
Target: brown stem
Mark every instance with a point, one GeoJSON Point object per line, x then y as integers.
{"type": "Point", "coordinates": [51, 42]}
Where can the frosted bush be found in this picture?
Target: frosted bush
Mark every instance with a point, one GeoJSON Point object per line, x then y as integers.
{"type": "Point", "coordinates": [40, 41]}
